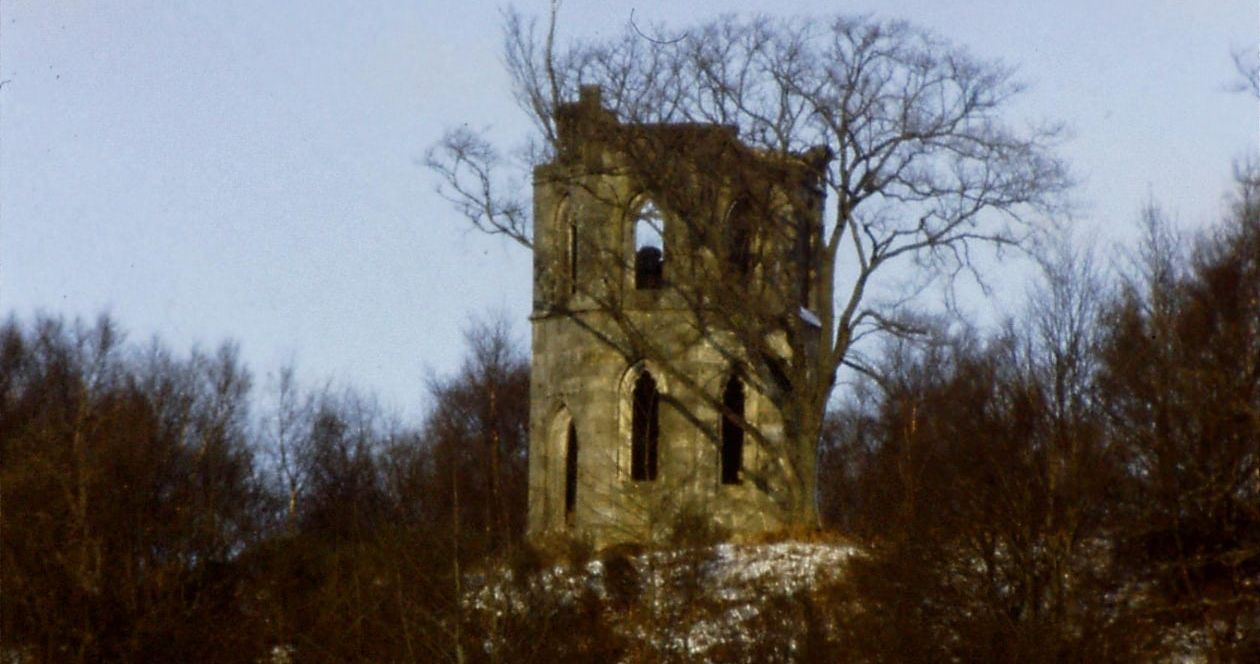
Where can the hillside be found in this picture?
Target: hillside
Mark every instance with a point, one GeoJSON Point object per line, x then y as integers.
{"type": "Point", "coordinates": [728, 602]}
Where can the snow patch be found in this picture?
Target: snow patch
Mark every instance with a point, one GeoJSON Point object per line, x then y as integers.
{"type": "Point", "coordinates": [682, 601]}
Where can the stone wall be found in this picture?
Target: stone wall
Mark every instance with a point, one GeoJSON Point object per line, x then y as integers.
{"type": "Point", "coordinates": [594, 331]}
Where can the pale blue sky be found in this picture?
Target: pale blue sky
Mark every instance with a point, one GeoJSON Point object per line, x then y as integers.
{"type": "Point", "coordinates": [248, 169]}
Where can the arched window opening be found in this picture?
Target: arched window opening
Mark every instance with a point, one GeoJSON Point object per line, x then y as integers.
{"type": "Point", "coordinates": [644, 428]}
{"type": "Point", "coordinates": [732, 431]}
{"type": "Point", "coordinates": [566, 249]}
{"type": "Point", "coordinates": [573, 254]}
{"type": "Point", "coordinates": [649, 248]}
{"type": "Point", "coordinates": [739, 233]}
{"type": "Point", "coordinates": [570, 472]}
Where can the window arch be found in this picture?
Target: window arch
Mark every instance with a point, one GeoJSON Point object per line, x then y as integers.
{"type": "Point", "coordinates": [732, 458]}
{"type": "Point", "coordinates": [649, 247]}
{"type": "Point", "coordinates": [645, 428]}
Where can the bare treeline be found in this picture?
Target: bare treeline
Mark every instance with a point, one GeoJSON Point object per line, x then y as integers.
{"type": "Point", "coordinates": [160, 508]}
{"type": "Point", "coordinates": [1082, 484]}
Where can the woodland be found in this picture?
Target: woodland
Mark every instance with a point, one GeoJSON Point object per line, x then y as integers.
{"type": "Point", "coordinates": [1078, 482]}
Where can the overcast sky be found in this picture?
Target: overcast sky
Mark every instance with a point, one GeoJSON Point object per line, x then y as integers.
{"type": "Point", "coordinates": [249, 169]}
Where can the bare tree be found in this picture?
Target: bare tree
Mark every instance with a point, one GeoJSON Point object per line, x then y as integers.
{"type": "Point", "coordinates": [1180, 382]}
{"type": "Point", "coordinates": [128, 492]}
{"type": "Point", "coordinates": [1247, 68]}
{"type": "Point", "coordinates": [905, 131]}
{"type": "Point", "coordinates": [477, 437]}
{"type": "Point", "coordinates": [283, 433]}
{"type": "Point", "coordinates": [984, 491]}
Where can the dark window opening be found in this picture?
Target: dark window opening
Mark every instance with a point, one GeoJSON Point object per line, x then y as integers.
{"type": "Point", "coordinates": [739, 240]}
{"type": "Point", "coordinates": [570, 473]}
{"type": "Point", "coordinates": [644, 428]}
{"type": "Point", "coordinates": [649, 269]}
{"type": "Point", "coordinates": [732, 432]}
{"type": "Point", "coordinates": [649, 248]}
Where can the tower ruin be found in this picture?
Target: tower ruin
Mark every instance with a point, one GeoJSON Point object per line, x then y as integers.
{"type": "Point", "coordinates": [673, 271]}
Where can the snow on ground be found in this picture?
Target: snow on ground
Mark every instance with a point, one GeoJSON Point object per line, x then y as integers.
{"type": "Point", "coordinates": [689, 602]}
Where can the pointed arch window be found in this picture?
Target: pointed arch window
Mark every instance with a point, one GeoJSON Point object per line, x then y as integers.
{"type": "Point", "coordinates": [570, 472]}
{"type": "Point", "coordinates": [649, 248]}
{"type": "Point", "coordinates": [644, 428]}
{"type": "Point", "coordinates": [572, 236]}
{"type": "Point", "coordinates": [732, 431]}
{"type": "Point", "coordinates": [566, 249]}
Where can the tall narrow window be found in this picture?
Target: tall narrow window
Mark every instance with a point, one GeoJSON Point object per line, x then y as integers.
{"type": "Point", "coordinates": [732, 432]}
{"type": "Point", "coordinates": [566, 248]}
{"type": "Point", "coordinates": [573, 255]}
{"type": "Point", "coordinates": [570, 472]}
{"type": "Point", "coordinates": [649, 248]}
{"type": "Point", "coordinates": [644, 428]}
{"type": "Point", "coordinates": [739, 232]}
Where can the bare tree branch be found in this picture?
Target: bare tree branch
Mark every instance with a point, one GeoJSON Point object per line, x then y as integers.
{"type": "Point", "coordinates": [908, 134]}
{"type": "Point", "coordinates": [1247, 67]}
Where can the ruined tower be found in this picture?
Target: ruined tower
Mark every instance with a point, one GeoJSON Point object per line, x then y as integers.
{"type": "Point", "coordinates": [673, 271]}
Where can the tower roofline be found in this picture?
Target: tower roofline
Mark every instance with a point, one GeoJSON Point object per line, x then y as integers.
{"type": "Point", "coordinates": [586, 127]}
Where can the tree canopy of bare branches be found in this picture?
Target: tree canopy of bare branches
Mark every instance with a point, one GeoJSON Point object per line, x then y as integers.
{"type": "Point", "coordinates": [923, 169]}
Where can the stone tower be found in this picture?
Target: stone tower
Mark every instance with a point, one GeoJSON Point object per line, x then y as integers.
{"type": "Point", "coordinates": [655, 245]}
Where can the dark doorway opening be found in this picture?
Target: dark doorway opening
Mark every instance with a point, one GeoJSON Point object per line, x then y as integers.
{"type": "Point", "coordinates": [732, 432]}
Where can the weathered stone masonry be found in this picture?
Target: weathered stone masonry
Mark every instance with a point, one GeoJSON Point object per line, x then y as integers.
{"type": "Point", "coordinates": [626, 431]}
